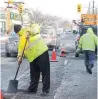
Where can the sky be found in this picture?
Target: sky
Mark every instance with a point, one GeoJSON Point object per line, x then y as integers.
{"type": "Point", "coordinates": [66, 9]}
{"type": "Point", "coordinates": [63, 8]}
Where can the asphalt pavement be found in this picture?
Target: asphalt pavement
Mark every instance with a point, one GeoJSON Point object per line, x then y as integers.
{"type": "Point", "coordinates": [69, 79]}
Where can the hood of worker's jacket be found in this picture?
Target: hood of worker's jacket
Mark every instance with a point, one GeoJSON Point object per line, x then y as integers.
{"type": "Point", "coordinates": [21, 31]}
{"type": "Point", "coordinates": [35, 28]}
{"type": "Point", "coordinates": [90, 31]}
{"type": "Point", "coordinates": [27, 29]}
{"type": "Point", "coordinates": [88, 41]}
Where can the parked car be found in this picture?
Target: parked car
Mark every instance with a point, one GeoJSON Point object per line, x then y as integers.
{"type": "Point", "coordinates": [11, 46]}
{"type": "Point", "coordinates": [50, 36]}
{"type": "Point", "coordinates": [81, 32]}
{"type": "Point", "coordinates": [1, 36]}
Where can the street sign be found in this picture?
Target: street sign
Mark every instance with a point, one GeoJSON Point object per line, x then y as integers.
{"type": "Point", "coordinates": [79, 8]}
{"type": "Point", "coordinates": [89, 19]}
{"type": "Point", "coordinates": [14, 16]}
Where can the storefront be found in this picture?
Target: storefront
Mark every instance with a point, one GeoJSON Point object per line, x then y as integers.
{"type": "Point", "coordinates": [7, 20]}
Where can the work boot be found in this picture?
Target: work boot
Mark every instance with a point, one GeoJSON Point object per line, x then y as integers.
{"type": "Point", "coordinates": [92, 65]}
{"type": "Point", "coordinates": [31, 90]}
{"type": "Point", "coordinates": [89, 70]}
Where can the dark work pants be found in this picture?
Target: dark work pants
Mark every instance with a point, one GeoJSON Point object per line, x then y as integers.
{"type": "Point", "coordinates": [89, 58]}
{"type": "Point", "coordinates": [40, 64]}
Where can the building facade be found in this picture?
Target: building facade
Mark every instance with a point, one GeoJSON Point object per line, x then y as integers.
{"type": "Point", "coordinates": [8, 17]}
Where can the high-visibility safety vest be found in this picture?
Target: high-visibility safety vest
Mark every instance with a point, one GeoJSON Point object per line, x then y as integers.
{"type": "Point", "coordinates": [88, 41]}
{"type": "Point", "coordinates": [34, 48]}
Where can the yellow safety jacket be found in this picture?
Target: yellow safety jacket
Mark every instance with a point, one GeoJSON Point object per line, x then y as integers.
{"type": "Point", "coordinates": [34, 48]}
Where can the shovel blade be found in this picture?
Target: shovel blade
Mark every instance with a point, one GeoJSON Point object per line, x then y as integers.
{"type": "Point", "coordinates": [13, 86]}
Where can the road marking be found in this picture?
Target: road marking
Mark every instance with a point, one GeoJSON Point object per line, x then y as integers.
{"type": "Point", "coordinates": [13, 97]}
{"type": "Point", "coordinates": [59, 90]}
{"type": "Point", "coordinates": [65, 62]}
{"type": "Point", "coordinates": [61, 87]}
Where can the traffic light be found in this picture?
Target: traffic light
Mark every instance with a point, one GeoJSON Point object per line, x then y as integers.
{"type": "Point", "coordinates": [10, 1]}
{"type": "Point", "coordinates": [20, 8]}
{"type": "Point", "coordinates": [79, 7]}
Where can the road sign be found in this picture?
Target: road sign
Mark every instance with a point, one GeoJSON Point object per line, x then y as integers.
{"type": "Point", "coordinates": [79, 7]}
{"type": "Point", "coordinates": [89, 19]}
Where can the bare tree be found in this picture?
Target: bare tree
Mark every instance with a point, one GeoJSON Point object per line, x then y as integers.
{"type": "Point", "coordinates": [37, 17]}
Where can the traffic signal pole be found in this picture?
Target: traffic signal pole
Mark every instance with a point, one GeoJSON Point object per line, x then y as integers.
{"type": "Point", "coordinates": [8, 21]}
{"type": "Point", "coordinates": [93, 6]}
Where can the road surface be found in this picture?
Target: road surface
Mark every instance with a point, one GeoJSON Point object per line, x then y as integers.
{"type": "Point", "coordinates": [69, 79]}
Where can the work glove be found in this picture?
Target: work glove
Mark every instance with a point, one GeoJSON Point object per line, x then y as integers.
{"type": "Point", "coordinates": [19, 60]}
{"type": "Point", "coordinates": [27, 35]}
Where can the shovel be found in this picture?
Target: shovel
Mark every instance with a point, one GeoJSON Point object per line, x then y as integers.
{"type": "Point", "coordinates": [13, 84]}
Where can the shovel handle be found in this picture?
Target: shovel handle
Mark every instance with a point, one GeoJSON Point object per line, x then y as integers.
{"type": "Point", "coordinates": [24, 49]}
{"type": "Point", "coordinates": [21, 58]}
{"type": "Point", "coordinates": [17, 72]}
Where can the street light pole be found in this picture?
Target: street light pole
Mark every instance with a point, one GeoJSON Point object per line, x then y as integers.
{"type": "Point", "coordinates": [93, 6]}
{"type": "Point", "coordinates": [89, 8]}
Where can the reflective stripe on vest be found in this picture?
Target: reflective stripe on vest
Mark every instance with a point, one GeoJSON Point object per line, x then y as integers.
{"type": "Point", "coordinates": [32, 44]}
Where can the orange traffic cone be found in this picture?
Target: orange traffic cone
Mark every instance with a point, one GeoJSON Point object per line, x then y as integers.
{"type": "Point", "coordinates": [1, 96]}
{"type": "Point", "coordinates": [63, 52]}
{"type": "Point", "coordinates": [53, 58]}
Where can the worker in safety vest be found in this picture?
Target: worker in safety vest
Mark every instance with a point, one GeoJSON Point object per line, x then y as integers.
{"type": "Point", "coordinates": [36, 52]}
{"type": "Point", "coordinates": [88, 43]}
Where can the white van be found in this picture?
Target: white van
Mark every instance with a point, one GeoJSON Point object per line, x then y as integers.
{"type": "Point", "coordinates": [50, 36]}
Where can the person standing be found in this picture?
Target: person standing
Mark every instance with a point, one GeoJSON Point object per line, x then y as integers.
{"type": "Point", "coordinates": [88, 43]}
{"type": "Point", "coordinates": [36, 52]}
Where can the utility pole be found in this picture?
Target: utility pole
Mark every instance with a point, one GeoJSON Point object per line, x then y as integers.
{"type": "Point", "coordinates": [89, 8]}
{"type": "Point", "coordinates": [93, 6]}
